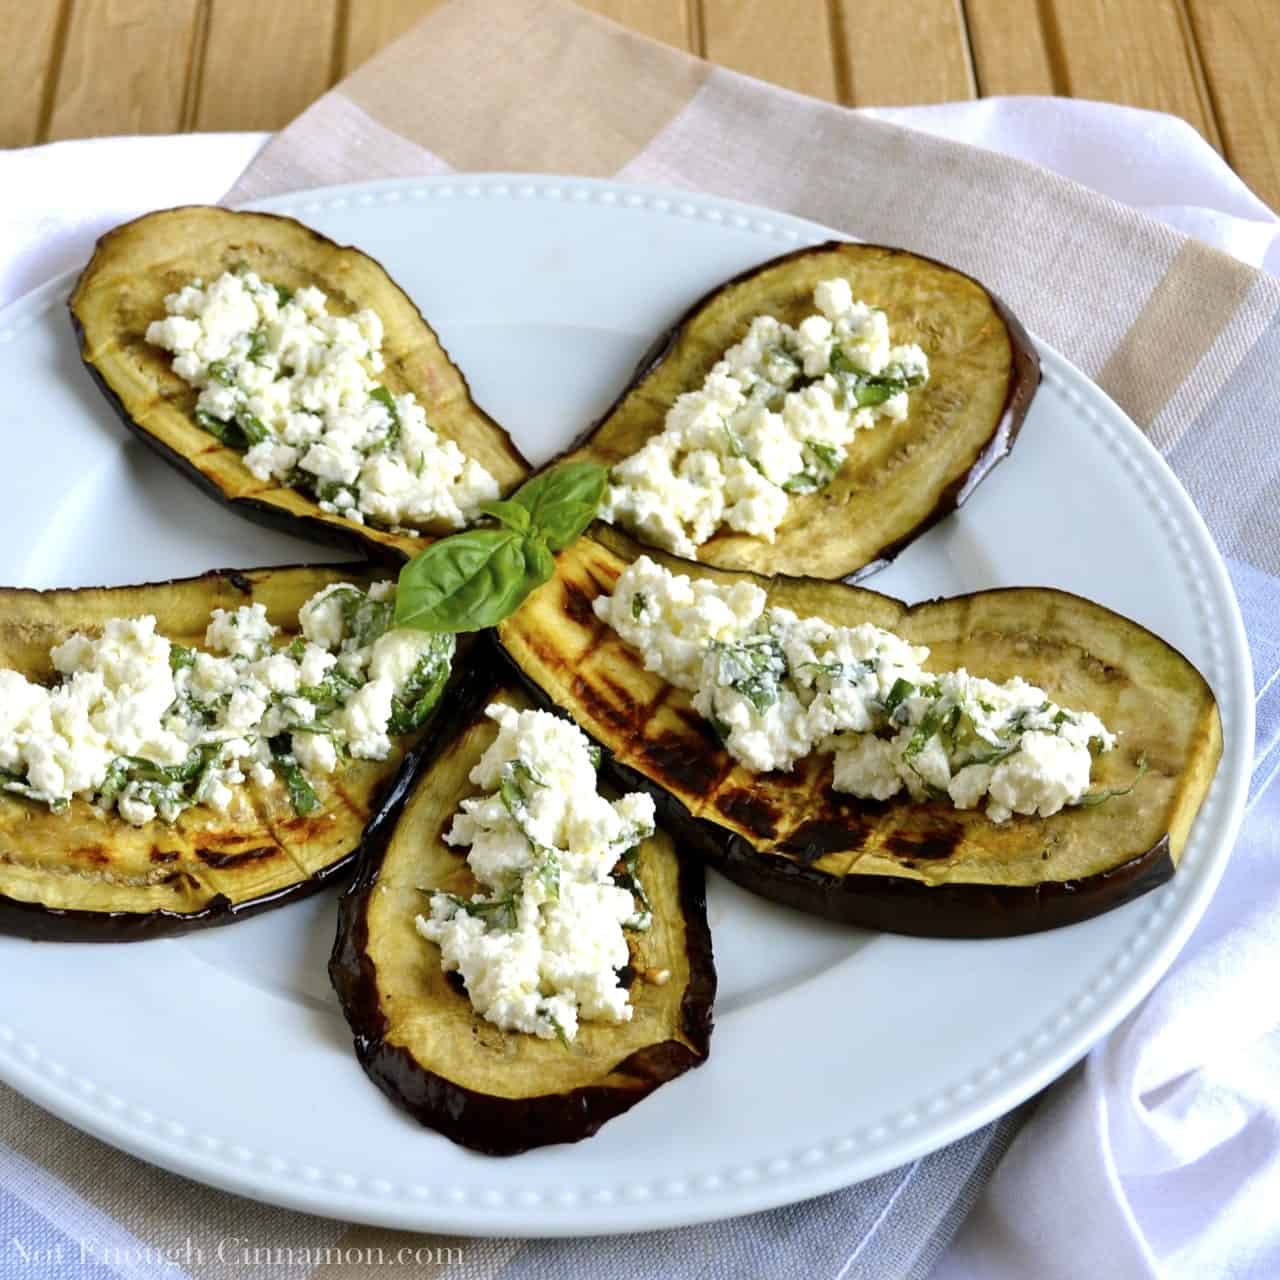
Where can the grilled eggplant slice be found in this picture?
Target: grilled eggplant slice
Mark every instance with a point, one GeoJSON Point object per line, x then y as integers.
{"type": "Point", "coordinates": [910, 868]}
{"type": "Point", "coordinates": [88, 876]}
{"type": "Point", "coordinates": [900, 478]}
{"type": "Point", "coordinates": [123, 289]}
{"type": "Point", "coordinates": [419, 1038]}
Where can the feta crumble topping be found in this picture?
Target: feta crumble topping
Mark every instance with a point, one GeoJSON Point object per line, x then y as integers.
{"type": "Point", "coordinates": [774, 417]}
{"type": "Point", "coordinates": [777, 687]}
{"type": "Point", "coordinates": [293, 386]}
{"type": "Point", "coordinates": [149, 727]}
{"type": "Point", "coordinates": [540, 946]}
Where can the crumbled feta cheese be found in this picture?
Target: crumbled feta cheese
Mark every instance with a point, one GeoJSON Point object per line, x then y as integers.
{"type": "Point", "coordinates": [322, 618]}
{"type": "Point", "coordinates": [773, 417]}
{"type": "Point", "coordinates": [241, 633]}
{"type": "Point", "coordinates": [539, 948]}
{"type": "Point", "coordinates": [364, 720]}
{"type": "Point", "coordinates": [777, 688]}
{"type": "Point", "coordinates": [295, 387]}
{"type": "Point", "coordinates": [671, 618]}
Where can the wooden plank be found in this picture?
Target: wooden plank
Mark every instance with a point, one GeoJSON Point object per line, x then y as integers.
{"type": "Point", "coordinates": [125, 67]}
{"type": "Point", "coordinates": [265, 63]}
{"type": "Point", "coordinates": [1010, 53]}
{"type": "Point", "coordinates": [31, 67]}
{"type": "Point", "coordinates": [1238, 40]}
{"type": "Point", "coordinates": [371, 24]}
{"type": "Point", "coordinates": [897, 54]}
{"type": "Point", "coordinates": [1140, 53]}
{"type": "Point", "coordinates": [665, 20]}
{"type": "Point", "coordinates": [790, 44]}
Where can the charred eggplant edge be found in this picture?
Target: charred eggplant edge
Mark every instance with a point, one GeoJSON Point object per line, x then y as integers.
{"type": "Point", "coordinates": [897, 904]}
{"type": "Point", "coordinates": [38, 923]}
{"type": "Point", "coordinates": [1024, 381]}
{"type": "Point", "coordinates": [482, 1122]}
{"type": "Point", "coordinates": [347, 535]}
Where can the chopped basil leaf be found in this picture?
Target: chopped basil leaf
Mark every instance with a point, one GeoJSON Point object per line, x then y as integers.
{"type": "Point", "coordinates": [180, 657]}
{"type": "Point", "coordinates": [754, 667]}
{"type": "Point", "coordinates": [902, 689]}
{"type": "Point", "coordinates": [821, 462]}
{"type": "Point", "coordinates": [1091, 799]}
{"type": "Point", "coordinates": [301, 793]}
{"type": "Point", "coordinates": [387, 401]}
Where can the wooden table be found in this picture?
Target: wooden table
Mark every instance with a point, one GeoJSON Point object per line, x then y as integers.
{"type": "Point", "coordinates": [77, 68]}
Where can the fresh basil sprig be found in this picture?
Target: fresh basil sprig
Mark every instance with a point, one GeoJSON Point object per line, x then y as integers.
{"type": "Point", "coordinates": [563, 501]}
{"type": "Point", "coordinates": [471, 581]}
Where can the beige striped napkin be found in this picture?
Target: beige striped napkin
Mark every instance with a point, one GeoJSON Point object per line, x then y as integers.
{"type": "Point", "coordinates": [1185, 338]}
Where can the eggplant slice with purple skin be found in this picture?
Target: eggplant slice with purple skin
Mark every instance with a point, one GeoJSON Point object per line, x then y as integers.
{"type": "Point", "coordinates": [900, 478]}
{"type": "Point", "coordinates": [416, 1033]}
{"type": "Point", "coordinates": [906, 867]}
{"type": "Point", "coordinates": [89, 876]}
{"type": "Point", "coordinates": [123, 289]}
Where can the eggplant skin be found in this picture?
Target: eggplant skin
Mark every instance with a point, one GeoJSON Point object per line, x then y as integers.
{"type": "Point", "coordinates": [122, 290]}
{"type": "Point", "coordinates": [85, 876]}
{"type": "Point", "coordinates": [899, 479]}
{"type": "Point", "coordinates": [417, 1037]}
{"type": "Point", "coordinates": [917, 868]}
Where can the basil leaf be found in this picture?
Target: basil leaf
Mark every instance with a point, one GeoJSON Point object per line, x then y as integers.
{"type": "Point", "coordinates": [563, 501]}
{"type": "Point", "coordinates": [511, 514]}
{"type": "Point", "coordinates": [470, 581]}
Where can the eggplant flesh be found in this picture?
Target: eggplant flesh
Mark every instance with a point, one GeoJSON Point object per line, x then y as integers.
{"type": "Point", "coordinates": [123, 289]}
{"type": "Point", "coordinates": [418, 1036]}
{"type": "Point", "coordinates": [898, 865]}
{"type": "Point", "coordinates": [899, 478]}
{"type": "Point", "coordinates": [87, 875]}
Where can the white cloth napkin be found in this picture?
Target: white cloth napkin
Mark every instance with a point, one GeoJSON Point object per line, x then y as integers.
{"type": "Point", "coordinates": [1160, 1156]}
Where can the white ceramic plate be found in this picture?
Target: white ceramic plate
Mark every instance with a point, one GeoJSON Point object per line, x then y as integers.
{"type": "Point", "coordinates": [837, 1054]}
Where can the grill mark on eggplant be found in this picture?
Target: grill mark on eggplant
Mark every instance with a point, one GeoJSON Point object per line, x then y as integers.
{"type": "Point", "coordinates": [241, 582]}
{"type": "Point", "coordinates": [618, 723]}
{"type": "Point", "coordinates": [162, 856]}
{"type": "Point", "coordinates": [94, 853]}
{"type": "Point", "coordinates": [748, 809]}
{"type": "Point", "coordinates": [179, 880]}
{"type": "Point", "coordinates": [938, 842]}
{"type": "Point", "coordinates": [818, 837]}
{"type": "Point", "coordinates": [220, 861]}
{"type": "Point", "coordinates": [682, 765]}
{"type": "Point", "coordinates": [577, 605]}
{"type": "Point", "coordinates": [361, 811]}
